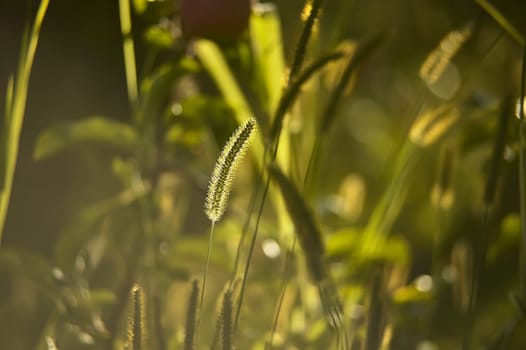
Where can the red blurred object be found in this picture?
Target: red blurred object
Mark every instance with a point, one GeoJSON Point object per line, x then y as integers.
{"type": "Point", "coordinates": [220, 20]}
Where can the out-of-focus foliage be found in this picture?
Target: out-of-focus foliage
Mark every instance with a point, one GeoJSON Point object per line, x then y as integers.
{"type": "Point", "coordinates": [387, 138]}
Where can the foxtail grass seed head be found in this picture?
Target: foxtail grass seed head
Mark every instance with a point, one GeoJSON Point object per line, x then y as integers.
{"type": "Point", "coordinates": [225, 169]}
{"type": "Point", "coordinates": [136, 320]}
{"type": "Point", "coordinates": [435, 63]}
{"type": "Point", "coordinates": [432, 124]}
{"type": "Point", "coordinates": [442, 194]}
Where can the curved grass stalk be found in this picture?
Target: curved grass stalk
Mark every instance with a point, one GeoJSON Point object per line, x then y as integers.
{"type": "Point", "coordinates": [221, 184]}
{"type": "Point", "coordinates": [502, 21]}
{"type": "Point", "coordinates": [15, 110]}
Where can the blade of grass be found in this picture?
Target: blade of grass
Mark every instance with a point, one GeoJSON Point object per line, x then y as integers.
{"type": "Point", "coordinates": [488, 198]}
{"type": "Point", "coordinates": [498, 17]}
{"type": "Point", "coordinates": [129, 52]}
{"type": "Point", "coordinates": [522, 194]}
{"type": "Point", "coordinates": [16, 107]}
{"type": "Point", "coordinates": [303, 42]}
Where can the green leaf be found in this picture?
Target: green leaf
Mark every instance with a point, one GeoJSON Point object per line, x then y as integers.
{"type": "Point", "coordinates": [139, 6]}
{"type": "Point", "coordinates": [81, 228]}
{"type": "Point", "coordinates": [92, 129]}
{"type": "Point", "coordinates": [34, 267]}
{"type": "Point", "coordinates": [267, 44]}
{"type": "Point", "coordinates": [308, 233]}
{"type": "Point", "coordinates": [159, 37]}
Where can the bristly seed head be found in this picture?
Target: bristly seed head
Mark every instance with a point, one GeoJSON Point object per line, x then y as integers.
{"type": "Point", "coordinates": [225, 168]}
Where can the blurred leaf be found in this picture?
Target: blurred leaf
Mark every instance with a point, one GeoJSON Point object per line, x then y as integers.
{"type": "Point", "coordinates": [214, 62]}
{"type": "Point", "coordinates": [139, 5]}
{"type": "Point", "coordinates": [345, 242]}
{"type": "Point", "coordinates": [410, 294]}
{"type": "Point", "coordinates": [33, 267]}
{"type": "Point", "coordinates": [92, 129]}
{"type": "Point", "coordinates": [308, 233]}
{"type": "Point", "coordinates": [80, 229]}
{"type": "Point", "coordinates": [157, 88]}
{"type": "Point", "coordinates": [159, 37]}
{"type": "Point", "coordinates": [189, 252]}
{"type": "Point", "coordinates": [508, 238]}
{"type": "Point", "coordinates": [265, 30]}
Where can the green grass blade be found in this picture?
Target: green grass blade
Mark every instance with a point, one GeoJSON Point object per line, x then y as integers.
{"type": "Point", "coordinates": [303, 42]}
{"type": "Point", "coordinates": [129, 52]}
{"type": "Point", "coordinates": [294, 90]}
{"type": "Point", "coordinates": [498, 17]}
{"type": "Point", "coordinates": [214, 62]}
{"type": "Point", "coordinates": [362, 52]}
{"type": "Point", "coordinates": [16, 107]}
{"type": "Point", "coordinates": [522, 194]}
{"type": "Point", "coordinates": [267, 44]}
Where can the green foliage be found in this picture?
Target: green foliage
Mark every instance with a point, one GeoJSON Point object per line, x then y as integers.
{"type": "Point", "coordinates": [380, 188]}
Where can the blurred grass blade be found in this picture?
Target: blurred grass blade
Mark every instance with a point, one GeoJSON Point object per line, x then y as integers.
{"type": "Point", "coordinates": [522, 193]}
{"type": "Point", "coordinates": [290, 95]}
{"type": "Point", "coordinates": [313, 8]}
{"type": "Point", "coordinates": [498, 152]}
{"type": "Point", "coordinates": [34, 267]}
{"type": "Point", "coordinates": [226, 320]}
{"type": "Point", "coordinates": [432, 124]}
{"type": "Point", "coordinates": [129, 52]}
{"type": "Point", "coordinates": [308, 234]}
{"type": "Point", "coordinates": [373, 338]}
{"type": "Point", "coordinates": [362, 52]}
{"type": "Point", "coordinates": [214, 62]}
{"type": "Point", "coordinates": [50, 344]}
{"type": "Point", "coordinates": [80, 228]}
{"type": "Point", "coordinates": [502, 21]}
{"type": "Point", "coordinates": [92, 129]}
{"type": "Point", "coordinates": [191, 317]}
{"type": "Point", "coordinates": [16, 105]}
{"type": "Point", "coordinates": [267, 44]}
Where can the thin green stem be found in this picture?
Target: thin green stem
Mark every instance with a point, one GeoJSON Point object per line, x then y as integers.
{"type": "Point", "coordinates": [129, 52]}
{"type": "Point", "coordinates": [498, 17]}
{"type": "Point", "coordinates": [205, 276]}
{"type": "Point", "coordinates": [16, 107]}
{"type": "Point", "coordinates": [522, 194]}
{"type": "Point", "coordinates": [480, 255]}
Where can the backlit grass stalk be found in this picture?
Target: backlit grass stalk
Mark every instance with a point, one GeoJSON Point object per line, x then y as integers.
{"type": "Point", "coordinates": [374, 330]}
{"type": "Point", "coordinates": [488, 199]}
{"type": "Point", "coordinates": [221, 183]}
{"type": "Point", "coordinates": [285, 103]}
{"type": "Point", "coordinates": [191, 317]}
{"type": "Point", "coordinates": [303, 42]}
{"type": "Point", "coordinates": [16, 98]}
{"type": "Point", "coordinates": [522, 193]}
{"type": "Point", "coordinates": [502, 21]}
{"type": "Point", "coordinates": [311, 242]}
{"type": "Point", "coordinates": [129, 52]}
{"type": "Point", "coordinates": [226, 320]}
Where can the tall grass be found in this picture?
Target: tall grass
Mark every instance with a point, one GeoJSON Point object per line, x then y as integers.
{"type": "Point", "coordinates": [16, 99]}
